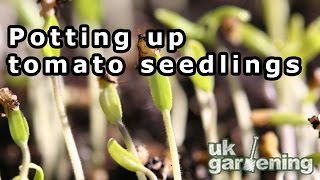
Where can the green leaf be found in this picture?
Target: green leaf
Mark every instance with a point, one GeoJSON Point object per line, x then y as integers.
{"type": "Point", "coordinates": [161, 90]}
{"type": "Point", "coordinates": [28, 13]}
{"type": "Point", "coordinates": [39, 172]}
{"type": "Point", "coordinates": [175, 21]}
{"type": "Point", "coordinates": [313, 30]}
{"type": "Point", "coordinates": [311, 43]}
{"type": "Point", "coordinates": [124, 158]}
{"type": "Point", "coordinates": [110, 101]}
{"type": "Point", "coordinates": [206, 28]}
{"type": "Point", "coordinates": [160, 86]}
{"type": "Point", "coordinates": [315, 158]}
{"type": "Point", "coordinates": [296, 28]}
{"type": "Point", "coordinates": [283, 118]}
{"type": "Point", "coordinates": [39, 175]}
{"type": "Point", "coordinates": [213, 19]}
{"type": "Point", "coordinates": [218, 14]}
{"type": "Point", "coordinates": [195, 50]}
{"type": "Point", "coordinates": [296, 34]}
{"type": "Point", "coordinates": [89, 10]}
{"type": "Point", "coordinates": [256, 40]}
{"type": "Point", "coordinates": [16, 178]}
{"type": "Point", "coordinates": [18, 126]}
{"type": "Point", "coordinates": [47, 50]}
{"type": "Point", "coordinates": [276, 15]}
{"type": "Point", "coordinates": [311, 96]}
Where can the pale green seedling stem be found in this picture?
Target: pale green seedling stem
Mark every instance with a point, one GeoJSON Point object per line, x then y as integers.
{"type": "Point", "coordinates": [204, 86]}
{"type": "Point", "coordinates": [160, 88]}
{"type": "Point", "coordinates": [179, 111]}
{"type": "Point", "coordinates": [129, 144]}
{"type": "Point", "coordinates": [26, 159]}
{"type": "Point", "coordinates": [243, 111]}
{"type": "Point", "coordinates": [172, 145]}
{"type": "Point", "coordinates": [29, 16]}
{"type": "Point", "coordinates": [150, 174]}
{"type": "Point", "coordinates": [204, 91]}
{"type": "Point", "coordinates": [208, 114]}
{"type": "Point", "coordinates": [69, 140]}
{"type": "Point", "coordinates": [98, 124]}
{"type": "Point", "coordinates": [39, 172]}
{"type": "Point", "coordinates": [50, 18]}
{"type": "Point", "coordinates": [127, 138]}
{"type": "Point", "coordinates": [111, 105]}
{"type": "Point", "coordinates": [276, 16]}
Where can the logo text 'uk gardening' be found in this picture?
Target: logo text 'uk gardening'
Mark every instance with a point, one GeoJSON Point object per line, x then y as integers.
{"type": "Point", "coordinates": [223, 158]}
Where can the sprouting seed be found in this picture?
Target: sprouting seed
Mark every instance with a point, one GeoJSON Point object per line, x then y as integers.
{"type": "Point", "coordinates": [143, 49]}
{"type": "Point", "coordinates": [161, 93]}
{"type": "Point", "coordinates": [18, 125]}
{"type": "Point", "coordinates": [159, 85]}
{"type": "Point", "coordinates": [56, 4]}
{"type": "Point", "coordinates": [315, 122]}
{"type": "Point", "coordinates": [8, 99]}
{"type": "Point", "coordinates": [110, 79]}
{"type": "Point", "coordinates": [110, 101]}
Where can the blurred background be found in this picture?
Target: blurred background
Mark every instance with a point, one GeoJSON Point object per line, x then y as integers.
{"type": "Point", "coordinates": [142, 119]}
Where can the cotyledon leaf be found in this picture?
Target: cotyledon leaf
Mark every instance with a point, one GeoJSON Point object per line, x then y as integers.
{"type": "Point", "coordinates": [47, 50]}
{"type": "Point", "coordinates": [196, 50]}
{"type": "Point", "coordinates": [123, 157]}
